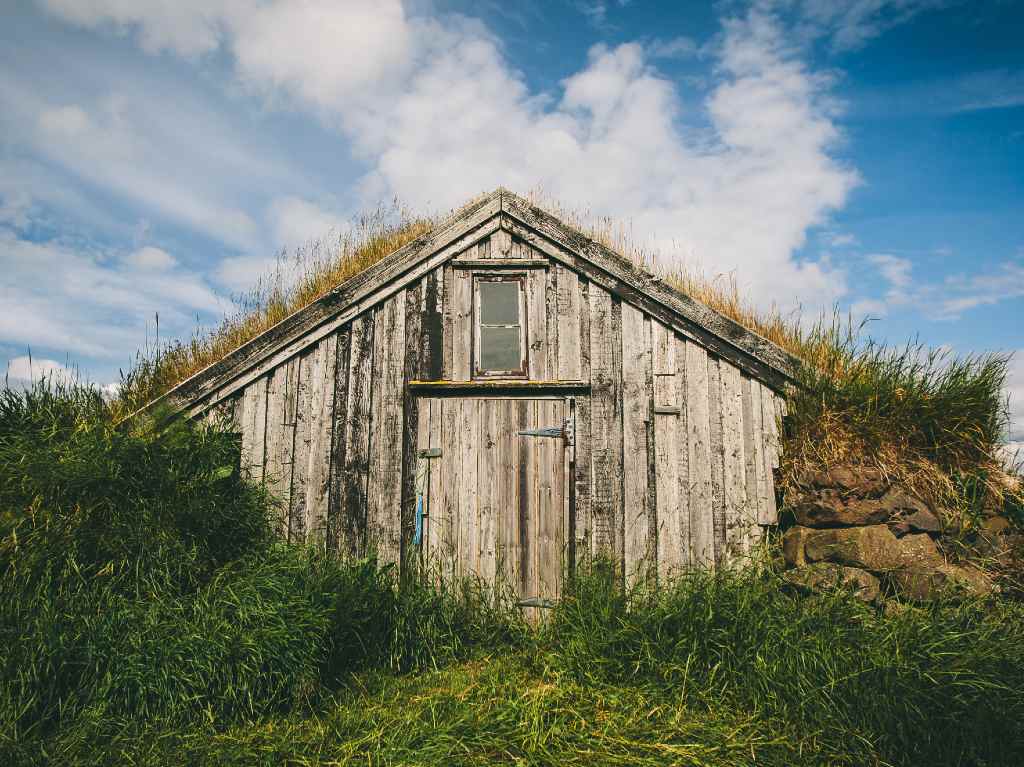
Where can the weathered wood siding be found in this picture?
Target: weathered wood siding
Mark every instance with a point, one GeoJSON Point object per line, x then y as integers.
{"type": "Point", "coordinates": [675, 445]}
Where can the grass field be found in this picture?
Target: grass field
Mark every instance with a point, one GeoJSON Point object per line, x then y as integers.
{"type": "Point", "coordinates": [147, 616]}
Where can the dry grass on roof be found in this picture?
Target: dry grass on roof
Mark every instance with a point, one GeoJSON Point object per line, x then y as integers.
{"type": "Point", "coordinates": [909, 410]}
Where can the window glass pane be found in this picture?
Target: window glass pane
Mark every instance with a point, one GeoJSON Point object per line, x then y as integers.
{"type": "Point", "coordinates": [499, 349]}
{"type": "Point", "coordinates": [499, 303]}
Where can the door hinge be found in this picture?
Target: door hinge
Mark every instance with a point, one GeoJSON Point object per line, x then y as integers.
{"type": "Point", "coordinates": [565, 432]}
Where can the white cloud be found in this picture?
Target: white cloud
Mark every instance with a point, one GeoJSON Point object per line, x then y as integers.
{"type": "Point", "coordinates": [187, 27]}
{"type": "Point", "coordinates": [675, 48]}
{"type": "Point", "coordinates": [296, 221]}
{"type": "Point", "coordinates": [850, 25]}
{"type": "Point", "coordinates": [945, 299]}
{"type": "Point", "coordinates": [24, 371]}
{"type": "Point", "coordinates": [439, 114]}
{"type": "Point", "coordinates": [67, 298]}
{"type": "Point", "coordinates": [150, 258]}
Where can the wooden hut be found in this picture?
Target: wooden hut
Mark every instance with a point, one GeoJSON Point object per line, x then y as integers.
{"type": "Point", "coordinates": [503, 396]}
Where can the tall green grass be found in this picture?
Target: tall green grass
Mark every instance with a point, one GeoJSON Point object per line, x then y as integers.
{"type": "Point", "coordinates": [942, 684]}
{"type": "Point", "coordinates": [147, 616]}
{"type": "Point", "coordinates": [140, 583]}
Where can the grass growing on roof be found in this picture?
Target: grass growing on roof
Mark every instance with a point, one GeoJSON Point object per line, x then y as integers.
{"type": "Point", "coordinates": [925, 416]}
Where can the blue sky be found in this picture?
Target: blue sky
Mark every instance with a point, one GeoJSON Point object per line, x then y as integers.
{"type": "Point", "coordinates": [154, 157]}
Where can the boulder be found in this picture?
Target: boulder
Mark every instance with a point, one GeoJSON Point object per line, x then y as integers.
{"type": "Point", "coordinates": [826, 576]}
{"type": "Point", "coordinates": [922, 585]}
{"type": "Point", "coordinates": [827, 509]}
{"type": "Point", "coordinates": [793, 545]}
{"type": "Point", "coordinates": [847, 479]}
{"type": "Point", "coordinates": [873, 547]}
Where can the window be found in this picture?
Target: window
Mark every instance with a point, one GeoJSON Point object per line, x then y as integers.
{"type": "Point", "coordinates": [499, 332]}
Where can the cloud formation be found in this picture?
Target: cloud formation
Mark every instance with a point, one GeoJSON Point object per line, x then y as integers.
{"type": "Point", "coordinates": [438, 114]}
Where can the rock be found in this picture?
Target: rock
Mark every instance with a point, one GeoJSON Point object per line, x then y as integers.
{"type": "Point", "coordinates": [922, 585]}
{"type": "Point", "coordinates": [826, 576]}
{"type": "Point", "coordinates": [872, 548]}
{"type": "Point", "coordinates": [827, 509]}
{"type": "Point", "coordinates": [793, 545]}
{"type": "Point", "coordinates": [847, 479]}
{"type": "Point", "coordinates": [922, 521]}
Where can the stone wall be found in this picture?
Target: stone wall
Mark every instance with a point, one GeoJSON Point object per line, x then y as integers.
{"type": "Point", "coordinates": [856, 529]}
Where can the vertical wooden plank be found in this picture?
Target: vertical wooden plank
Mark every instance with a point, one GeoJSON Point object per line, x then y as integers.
{"type": "Point", "coordinates": [605, 420]}
{"type": "Point", "coordinates": [421, 482]}
{"type": "Point", "coordinates": [750, 435]}
{"type": "Point", "coordinates": [469, 550]}
{"type": "Point", "coordinates": [322, 421]}
{"type": "Point", "coordinates": [547, 518]}
{"type": "Point", "coordinates": [733, 465]}
{"type": "Point", "coordinates": [686, 557]}
{"type": "Point", "coordinates": [666, 467]}
{"type": "Point", "coordinates": [448, 323]}
{"type": "Point", "coordinates": [248, 415]}
{"type": "Point", "coordinates": [702, 530]}
{"type": "Point", "coordinates": [446, 540]}
{"type": "Point", "coordinates": [410, 412]}
{"type": "Point", "coordinates": [526, 416]}
{"type": "Point", "coordinates": [339, 420]}
{"type": "Point", "coordinates": [763, 482]}
{"type": "Point", "coordinates": [487, 459]}
{"type": "Point", "coordinates": [431, 364]}
{"type": "Point", "coordinates": [259, 430]}
{"type": "Point", "coordinates": [717, 491]}
{"type": "Point", "coordinates": [770, 423]}
{"type": "Point", "coordinates": [276, 475]}
{"type": "Point", "coordinates": [462, 324]}
{"type": "Point", "coordinates": [298, 523]}
{"type": "Point", "coordinates": [583, 520]}
{"type": "Point", "coordinates": [536, 324]}
{"type": "Point", "coordinates": [507, 493]}
{"type": "Point", "coordinates": [358, 427]}
{"type": "Point", "coordinates": [384, 486]}
{"type": "Point", "coordinates": [551, 349]}
{"type": "Point", "coordinates": [502, 244]}
{"type": "Point", "coordinates": [636, 377]}
{"type": "Point", "coordinates": [568, 325]}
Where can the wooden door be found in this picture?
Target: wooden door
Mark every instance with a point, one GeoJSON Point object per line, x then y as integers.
{"type": "Point", "coordinates": [495, 501]}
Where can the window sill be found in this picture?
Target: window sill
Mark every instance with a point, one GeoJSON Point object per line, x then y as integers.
{"type": "Point", "coordinates": [488, 386]}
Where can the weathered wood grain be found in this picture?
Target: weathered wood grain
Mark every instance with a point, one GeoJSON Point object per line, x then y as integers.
{"type": "Point", "coordinates": [468, 514]}
{"type": "Point", "coordinates": [412, 360]}
{"type": "Point", "coordinates": [702, 529]}
{"type": "Point", "coordinates": [764, 482]}
{"type": "Point", "coordinates": [357, 428]}
{"type": "Point", "coordinates": [384, 487]}
{"type": "Point", "coordinates": [686, 557]}
{"type": "Point", "coordinates": [298, 522]}
{"type": "Point", "coordinates": [462, 325]}
{"type": "Point", "coordinates": [537, 326]}
{"type": "Point", "coordinates": [605, 420]}
{"type": "Point", "coordinates": [339, 420]}
{"type": "Point", "coordinates": [321, 428]}
{"type": "Point", "coordinates": [636, 377]}
{"type": "Point", "coordinates": [666, 460]}
{"type": "Point", "coordinates": [583, 518]}
{"type": "Point", "coordinates": [737, 519]}
{"type": "Point", "coordinates": [567, 324]}
{"type": "Point", "coordinates": [488, 479]}
{"type": "Point", "coordinates": [715, 425]}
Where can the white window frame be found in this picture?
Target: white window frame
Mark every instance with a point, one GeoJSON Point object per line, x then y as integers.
{"type": "Point", "coordinates": [523, 371]}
